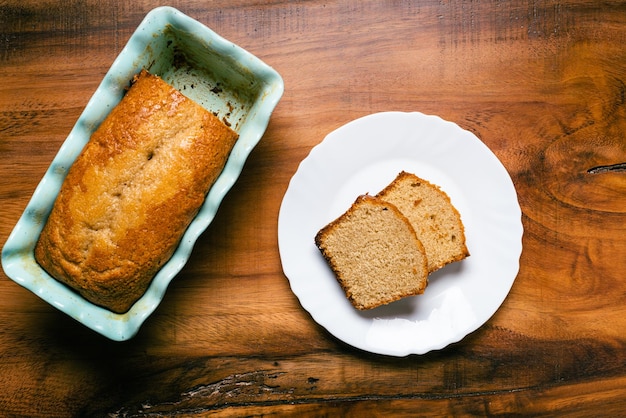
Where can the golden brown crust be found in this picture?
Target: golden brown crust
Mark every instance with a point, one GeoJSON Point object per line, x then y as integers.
{"type": "Point", "coordinates": [132, 193]}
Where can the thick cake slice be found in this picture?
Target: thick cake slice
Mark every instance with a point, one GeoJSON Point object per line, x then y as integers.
{"type": "Point", "coordinates": [435, 220]}
{"type": "Point", "coordinates": [132, 193]}
{"type": "Point", "coordinates": [374, 253]}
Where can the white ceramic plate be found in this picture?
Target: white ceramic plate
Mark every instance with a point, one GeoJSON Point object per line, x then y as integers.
{"type": "Point", "coordinates": [216, 73]}
{"type": "Point", "coordinates": [363, 157]}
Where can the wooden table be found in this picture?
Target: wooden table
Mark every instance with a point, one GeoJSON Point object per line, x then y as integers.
{"type": "Point", "coordinates": [541, 83]}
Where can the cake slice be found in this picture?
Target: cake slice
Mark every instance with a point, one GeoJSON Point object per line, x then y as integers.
{"type": "Point", "coordinates": [435, 220]}
{"type": "Point", "coordinates": [374, 253]}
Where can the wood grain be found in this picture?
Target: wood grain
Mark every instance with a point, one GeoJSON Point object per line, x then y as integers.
{"type": "Point", "coordinates": [541, 83]}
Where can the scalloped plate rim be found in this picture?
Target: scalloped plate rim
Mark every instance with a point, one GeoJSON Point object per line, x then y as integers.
{"type": "Point", "coordinates": [352, 160]}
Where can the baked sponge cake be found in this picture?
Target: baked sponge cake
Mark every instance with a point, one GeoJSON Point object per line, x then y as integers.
{"type": "Point", "coordinates": [374, 253]}
{"type": "Point", "coordinates": [436, 221]}
{"type": "Point", "coordinates": [132, 193]}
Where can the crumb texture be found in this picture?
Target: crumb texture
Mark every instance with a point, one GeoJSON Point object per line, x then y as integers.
{"type": "Point", "coordinates": [132, 193]}
{"type": "Point", "coordinates": [436, 221]}
{"type": "Point", "coordinates": [374, 253]}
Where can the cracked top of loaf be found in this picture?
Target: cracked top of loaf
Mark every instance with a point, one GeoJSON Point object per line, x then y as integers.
{"type": "Point", "coordinates": [132, 192]}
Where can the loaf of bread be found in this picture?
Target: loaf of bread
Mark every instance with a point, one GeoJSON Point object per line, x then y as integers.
{"type": "Point", "coordinates": [374, 253]}
{"type": "Point", "coordinates": [436, 221]}
{"type": "Point", "coordinates": [132, 192]}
